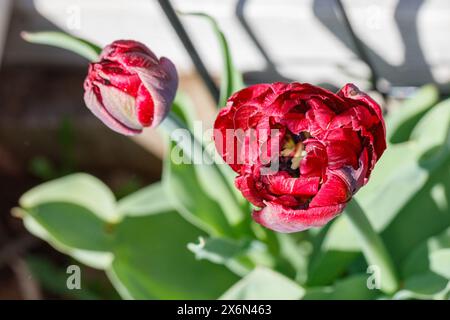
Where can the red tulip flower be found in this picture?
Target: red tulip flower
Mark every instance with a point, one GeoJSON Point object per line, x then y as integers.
{"type": "Point", "coordinates": [130, 88]}
{"type": "Point", "coordinates": [326, 147]}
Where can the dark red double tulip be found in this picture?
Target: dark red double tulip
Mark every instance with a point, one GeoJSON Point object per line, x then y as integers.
{"type": "Point", "coordinates": [327, 143]}
{"type": "Point", "coordinates": [130, 88]}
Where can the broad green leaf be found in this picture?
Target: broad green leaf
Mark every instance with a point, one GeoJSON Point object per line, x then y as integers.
{"type": "Point", "coordinates": [340, 236]}
{"type": "Point", "coordinates": [440, 262]}
{"type": "Point", "coordinates": [329, 265]}
{"type": "Point", "coordinates": [402, 168]}
{"type": "Point", "coordinates": [231, 78]}
{"type": "Point", "coordinates": [186, 193]}
{"type": "Point", "coordinates": [93, 259]}
{"type": "Point", "coordinates": [184, 109]}
{"type": "Point", "coordinates": [81, 189]}
{"type": "Point", "coordinates": [420, 169]}
{"type": "Point", "coordinates": [432, 135]}
{"type": "Point", "coordinates": [214, 183]}
{"type": "Point", "coordinates": [336, 247]}
{"type": "Point", "coordinates": [218, 250]}
{"type": "Point", "coordinates": [425, 214]}
{"type": "Point", "coordinates": [62, 40]}
{"type": "Point", "coordinates": [239, 256]}
{"type": "Point", "coordinates": [202, 178]}
{"type": "Point", "coordinates": [223, 251]}
{"type": "Point", "coordinates": [421, 218]}
{"type": "Point", "coordinates": [297, 253]}
{"type": "Point", "coordinates": [431, 255]}
{"type": "Point", "coordinates": [400, 214]}
{"type": "Point", "coordinates": [351, 288]}
{"type": "Point", "coordinates": [425, 286]}
{"type": "Point", "coordinates": [264, 284]}
{"type": "Point", "coordinates": [143, 253]}
{"type": "Point", "coordinates": [74, 226]}
{"type": "Point", "coordinates": [152, 260]}
{"type": "Point", "coordinates": [137, 204]}
{"type": "Point", "coordinates": [402, 121]}
{"type": "Point", "coordinates": [398, 169]}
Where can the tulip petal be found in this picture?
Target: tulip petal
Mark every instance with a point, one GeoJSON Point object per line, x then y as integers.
{"type": "Point", "coordinates": [246, 185]}
{"type": "Point", "coordinates": [287, 220]}
{"type": "Point", "coordinates": [351, 91]}
{"type": "Point", "coordinates": [161, 81]}
{"type": "Point", "coordinates": [120, 105]}
{"type": "Point", "coordinates": [101, 113]}
{"type": "Point", "coordinates": [295, 122]}
{"type": "Point", "coordinates": [254, 94]}
{"type": "Point", "coordinates": [280, 184]}
{"type": "Point", "coordinates": [316, 159]}
{"type": "Point", "coordinates": [225, 139]}
{"type": "Point", "coordinates": [335, 190]}
{"type": "Point", "coordinates": [129, 52]}
{"type": "Point", "coordinates": [145, 108]}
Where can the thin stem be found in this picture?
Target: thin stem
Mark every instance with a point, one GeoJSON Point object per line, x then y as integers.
{"type": "Point", "coordinates": [373, 247]}
{"type": "Point", "coordinates": [189, 46]}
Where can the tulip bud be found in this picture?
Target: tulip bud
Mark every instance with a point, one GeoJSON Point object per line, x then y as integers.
{"type": "Point", "coordinates": [130, 88]}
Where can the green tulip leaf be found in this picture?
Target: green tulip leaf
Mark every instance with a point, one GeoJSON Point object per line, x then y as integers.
{"type": "Point", "coordinates": [420, 169]}
{"type": "Point", "coordinates": [432, 255]}
{"type": "Point", "coordinates": [142, 252]}
{"type": "Point", "coordinates": [354, 287]}
{"type": "Point", "coordinates": [264, 284]}
{"type": "Point", "coordinates": [93, 259]}
{"type": "Point", "coordinates": [231, 78]}
{"type": "Point", "coordinates": [432, 134]}
{"type": "Point", "coordinates": [239, 256]}
{"type": "Point", "coordinates": [62, 40]}
{"type": "Point", "coordinates": [186, 194]}
{"type": "Point", "coordinates": [137, 204]}
{"type": "Point", "coordinates": [151, 260]}
{"type": "Point", "coordinates": [218, 250]}
{"type": "Point", "coordinates": [80, 189]}
{"type": "Point", "coordinates": [74, 226]}
{"type": "Point", "coordinates": [402, 121]}
{"type": "Point", "coordinates": [195, 184]}
{"type": "Point", "coordinates": [425, 286]}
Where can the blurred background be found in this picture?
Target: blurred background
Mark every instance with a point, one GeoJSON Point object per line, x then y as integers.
{"type": "Point", "coordinates": [388, 47]}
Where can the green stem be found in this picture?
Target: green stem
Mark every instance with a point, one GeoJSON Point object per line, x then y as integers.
{"type": "Point", "coordinates": [373, 247]}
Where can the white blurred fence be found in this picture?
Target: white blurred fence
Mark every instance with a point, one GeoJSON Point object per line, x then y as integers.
{"type": "Point", "coordinates": [406, 42]}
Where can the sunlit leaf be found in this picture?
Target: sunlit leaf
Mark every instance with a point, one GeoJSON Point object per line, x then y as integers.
{"type": "Point", "coordinates": [62, 40]}
{"type": "Point", "coordinates": [402, 121]}
{"type": "Point", "coordinates": [264, 284]}
{"type": "Point", "coordinates": [80, 189]}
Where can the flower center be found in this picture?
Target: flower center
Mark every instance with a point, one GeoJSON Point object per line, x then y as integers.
{"type": "Point", "coordinates": [293, 151]}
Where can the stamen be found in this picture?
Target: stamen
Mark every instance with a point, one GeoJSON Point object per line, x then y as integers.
{"type": "Point", "coordinates": [299, 154]}
{"type": "Point", "coordinates": [294, 148]}
{"type": "Point", "coordinates": [305, 135]}
{"type": "Point", "coordinates": [288, 147]}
